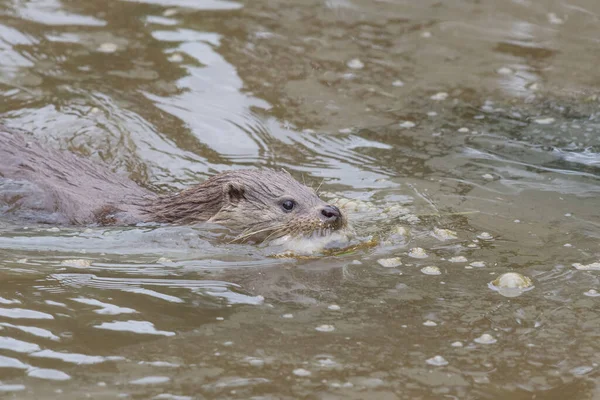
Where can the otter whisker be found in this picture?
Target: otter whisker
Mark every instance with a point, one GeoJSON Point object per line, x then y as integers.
{"type": "Point", "coordinates": [275, 232]}
{"type": "Point", "coordinates": [319, 187]}
{"type": "Point", "coordinates": [252, 233]}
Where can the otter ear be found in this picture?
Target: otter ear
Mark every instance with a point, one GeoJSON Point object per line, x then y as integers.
{"type": "Point", "coordinates": [234, 192]}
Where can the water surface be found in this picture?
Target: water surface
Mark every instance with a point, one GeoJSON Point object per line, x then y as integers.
{"type": "Point", "coordinates": [468, 130]}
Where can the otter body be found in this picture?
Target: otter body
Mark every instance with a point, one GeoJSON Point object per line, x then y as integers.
{"type": "Point", "coordinates": [49, 186]}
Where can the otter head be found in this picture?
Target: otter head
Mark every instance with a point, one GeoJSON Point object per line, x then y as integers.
{"type": "Point", "coordinates": [267, 204]}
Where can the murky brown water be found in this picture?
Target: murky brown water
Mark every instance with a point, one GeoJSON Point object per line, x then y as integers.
{"type": "Point", "coordinates": [479, 117]}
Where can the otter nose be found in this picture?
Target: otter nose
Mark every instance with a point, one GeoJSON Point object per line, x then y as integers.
{"type": "Point", "coordinates": [331, 213]}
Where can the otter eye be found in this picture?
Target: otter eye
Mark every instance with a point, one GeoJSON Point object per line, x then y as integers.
{"type": "Point", "coordinates": [288, 205]}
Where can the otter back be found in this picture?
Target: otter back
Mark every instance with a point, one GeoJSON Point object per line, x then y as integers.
{"type": "Point", "coordinates": [50, 186]}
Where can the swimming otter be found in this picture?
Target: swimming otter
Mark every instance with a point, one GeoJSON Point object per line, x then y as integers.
{"type": "Point", "coordinates": [50, 186]}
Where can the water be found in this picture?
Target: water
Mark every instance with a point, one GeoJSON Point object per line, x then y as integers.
{"type": "Point", "coordinates": [462, 138]}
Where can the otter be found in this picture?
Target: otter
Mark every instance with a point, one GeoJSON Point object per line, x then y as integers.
{"type": "Point", "coordinates": [58, 187]}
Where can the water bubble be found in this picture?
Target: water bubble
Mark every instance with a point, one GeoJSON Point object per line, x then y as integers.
{"type": "Point", "coordinates": [463, 130]}
{"type": "Point", "coordinates": [439, 96]}
{"type": "Point", "coordinates": [287, 316]}
{"type": "Point", "coordinates": [456, 344]}
{"type": "Point", "coordinates": [444, 234]}
{"type": "Point", "coordinates": [417, 252]}
{"type": "Point", "coordinates": [554, 19]}
{"type": "Point", "coordinates": [398, 83]}
{"type": "Point", "coordinates": [438, 361]}
{"type": "Point", "coordinates": [485, 339]}
{"type": "Point", "coordinates": [301, 372]}
{"type": "Point", "coordinates": [334, 307]}
{"type": "Point", "coordinates": [458, 259]}
{"type": "Point", "coordinates": [477, 264]}
{"type": "Point", "coordinates": [325, 328]}
{"type": "Point", "coordinates": [389, 262]}
{"type": "Point", "coordinates": [511, 284]}
{"type": "Point", "coordinates": [108, 48]}
{"type": "Point", "coordinates": [544, 121]}
{"type": "Point", "coordinates": [485, 236]}
{"type": "Point", "coordinates": [429, 323]}
{"type": "Point", "coordinates": [355, 63]}
{"type": "Point", "coordinates": [407, 124]}
{"type": "Point", "coordinates": [504, 71]}
{"type": "Point", "coordinates": [592, 293]}
{"type": "Point", "coordinates": [431, 270]}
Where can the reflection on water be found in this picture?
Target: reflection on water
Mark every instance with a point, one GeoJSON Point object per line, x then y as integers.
{"type": "Point", "coordinates": [462, 139]}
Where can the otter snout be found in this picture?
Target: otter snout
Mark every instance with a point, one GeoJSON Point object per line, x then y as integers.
{"type": "Point", "coordinates": [332, 216]}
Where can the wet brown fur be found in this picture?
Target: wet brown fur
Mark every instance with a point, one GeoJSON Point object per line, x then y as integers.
{"type": "Point", "coordinates": [46, 185]}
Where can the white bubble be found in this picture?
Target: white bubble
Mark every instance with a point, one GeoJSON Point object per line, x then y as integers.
{"type": "Point", "coordinates": [511, 284]}
{"type": "Point", "coordinates": [485, 236]}
{"type": "Point", "coordinates": [325, 328]}
{"type": "Point", "coordinates": [355, 63]}
{"type": "Point", "coordinates": [544, 121]}
{"type": "Point", "coordinates": [334, 307]}
{"type": "Point", "coordinates": [429, 323]}
{"type": "Point", "coordinates": [504, 71]}
{"type": "Point", "coordinates": [389, 262]}
{"type": "Point", "coordinates": [407, 124]}
{"type": "Point", "coordinates": [301, 372]}
{"type": "Point", "coordinates": [438, 361]}
{"type": "Point", "coordinates": [485, 339]}
{"type": "Point", "coordinates": [444, 234]}
{"type": "Point", "coordinates": [417, 252]}
{"type": "Point", "coordinates": [458, 259]}
{"type": "Point", "coordinates": [108, 48]}
{"type": "Point", "coordinates": [431, 270]}
{"type": "Point", "coordinates": [554, 19]}
{"type": "Point", "coordinates": [439, 96]}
